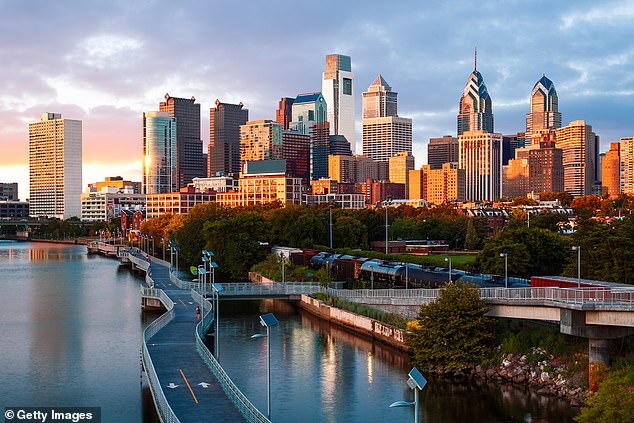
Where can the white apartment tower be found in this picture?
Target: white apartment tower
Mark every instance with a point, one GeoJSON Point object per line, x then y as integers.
{"type": "Point", "coordinates": [627, 165]}
{"type": "Point", "coordinates": [55, 167]}
{"type": "Point", "coordinates": [338, 91]}
{"type": "Point", "coordinates": [480, 155]}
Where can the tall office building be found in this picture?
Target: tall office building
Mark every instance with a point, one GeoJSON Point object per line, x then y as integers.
{"type": "Point", "coordinates": [260, 140]}
{"type": "Point", "coordinates": [339, 146]}
{"type": "Point", "coordinates": [223, 154]}
{"type": "Point", "coordinates": [611, 171]}
{"type": "Point", "coordinates": [384, 137]}
{"type": "Point", "coordinates": [189, 152]}
{"type": "Point", "coordinates": [442, 150]}
{"type": "Point", "coordinates": [379, 100]}
{"type": "Point", "coordinates": [160, 147]}
{"type": "Point", "coordinates": [284, 112]}
{"type": "Point", "coordinates": [355, 169]}
{"type": "Point", "coordinates": [578, 145]}
{"type": "Point", "coordinates": [544, 112]}
{"type": "Point", "coordinates": [545, 167]}
{"type": "Point", "coordinates": [309, 116]}
{"type": "Point", "coordinates": [417, 189]}
{"type": "Point", "coordinates": [515, 178]}
{"type": "Point", "coordinates": [480, 155]}
{"type": "Point", "coordinates": [55, 167]}
{"type": "Point", "coordinates": [296, 152]}
{"type": "Point", "coordinates": [510, 143]}
{"type": "Point", "coordinates": [475, 110]}
{"type": "Point", "coordinates": [627, 165]}
{"type": "Point", "coordinates": [399, 167]}
{"type": "Point", "coordinates": [447, 184]}
{"type": "Point", "coordinates": [338, 90]}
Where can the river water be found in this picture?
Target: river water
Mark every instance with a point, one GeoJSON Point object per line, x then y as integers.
{"type": "Point", "coordinates": [70, 332]}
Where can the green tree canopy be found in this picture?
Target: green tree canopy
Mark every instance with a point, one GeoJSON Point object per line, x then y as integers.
{"type": "Point", "coordinates": [614, 401]}
{"type": "Point", "coordinates": [453, 334]}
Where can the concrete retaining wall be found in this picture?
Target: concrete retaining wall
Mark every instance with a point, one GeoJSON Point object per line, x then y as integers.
{"type": "Point", "coordinates": [364, 325]}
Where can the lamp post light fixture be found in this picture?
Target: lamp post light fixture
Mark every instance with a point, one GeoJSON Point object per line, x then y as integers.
{"type": "Point", "coordinates": [267, 320]}
{"type": "Point", "coordinates": [387, 201]}
{"type": "Point", "coordinates": [416, 382]}
{"type": "Point", "coordinates": [449, 260]}
{"type": "Point", "coordinates": [217, 289]}
{"type": "Point", "coordinates": [506, 269]}
{"type": "Point", "coordinates": [330, 209]}
{"type": "Point", "coordinates": [201, 281]}
{"type": "Point", "coordinates": [577, 248]}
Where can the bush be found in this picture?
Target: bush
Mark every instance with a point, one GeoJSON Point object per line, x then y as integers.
{"type": "Point", "coordinates": [614, 401]}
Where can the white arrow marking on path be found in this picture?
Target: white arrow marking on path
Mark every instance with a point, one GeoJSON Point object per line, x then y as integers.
{"type": "Point", "coordinates": [204, 384]}
{"type": "Point", "coordinates": [191, 302]}
{"type": "Point", "coordinates": [172, 386]}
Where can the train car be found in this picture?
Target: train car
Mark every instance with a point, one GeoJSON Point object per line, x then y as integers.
{"type": "Point", "coordinates": [565, 282]}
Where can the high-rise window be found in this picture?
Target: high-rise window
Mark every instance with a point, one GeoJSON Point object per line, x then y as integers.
{"type": "Point", "coordinates": [347, 86]}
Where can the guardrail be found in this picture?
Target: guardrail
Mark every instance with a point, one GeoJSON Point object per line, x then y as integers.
{"type": "Point", "coordinates": [250, 412]}
{"type": "Point", "coordinates": [622, 298]}
{"type": "Point", "coordinates": [165, 412]}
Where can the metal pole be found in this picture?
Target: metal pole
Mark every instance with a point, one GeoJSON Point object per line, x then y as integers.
{"type": "Point", "coordinates": [217, 326]}
{"type": "Point", "coordinates": [506, 270]}
{"type": "Point", "coordinates": [450, 270]}
{"type": "Point", "coordinates": [331, 226]}
{"type": "Point", "coordinates": [372, 277]}
{"type": "Point", "coordinates": [386, 232]}
{"type": "Point", "coordinates": [268, 368]}
{"type": "Point", "coordinates": [163, 250]}
{"type": "Point", "coordinates": [282, 257]}
{"type": "Point", "coordinates": [416, 406]}
{"type": "Point", "coordinates": [406, 275]}
{"type": "Point", "coordinates": [578, 267]}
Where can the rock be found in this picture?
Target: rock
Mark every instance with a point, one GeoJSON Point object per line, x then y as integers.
{"type": "Point", "coordinates": [544, 377]}
{"type": "Point", "coordinates": [519, 378]}
{"type": "Point", "coordinates": [506, 363]}
{"type": "Point", "coordinates": [490, 373]}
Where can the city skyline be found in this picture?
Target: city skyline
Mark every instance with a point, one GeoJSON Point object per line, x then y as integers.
{"type": "Point", "coordinates": [109, 67]}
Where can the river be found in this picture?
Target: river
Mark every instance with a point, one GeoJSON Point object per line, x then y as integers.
{"type": "Point", "coordinates": [70, 332]}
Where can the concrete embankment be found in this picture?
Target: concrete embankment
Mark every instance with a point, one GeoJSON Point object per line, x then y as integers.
{"type": "Point", "coordinates": [61, 241]}
{"type": "Point", "coordinates": [360, 324]}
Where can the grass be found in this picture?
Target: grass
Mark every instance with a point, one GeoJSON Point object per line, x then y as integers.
{"type": "Point", "coordinates": [362, 309]}
{"type": "Point", "coordinates": [459, 261]}
{"type": "Point", "coordinates": [271, 268]}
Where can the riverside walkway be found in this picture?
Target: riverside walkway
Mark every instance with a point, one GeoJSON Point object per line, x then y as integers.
{"type": "Point", "coordinates": [182, 382]}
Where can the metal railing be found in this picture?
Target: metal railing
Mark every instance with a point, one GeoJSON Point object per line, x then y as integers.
{"type": "Point", "coordinates": [165, 412]}
{"type": "Point", "coordinates": [250, 412]}
{"type": "Point", "coordinates": [270, 288]}
{"type": "Point", "coordinates": [602, 298]}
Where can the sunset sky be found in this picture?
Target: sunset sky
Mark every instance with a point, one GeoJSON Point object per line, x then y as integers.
{"type": "Point", "coordinates": [107, 62]}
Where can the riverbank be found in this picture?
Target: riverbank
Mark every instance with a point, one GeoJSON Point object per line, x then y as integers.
{"type": "Point", "coordinates": [61, 241]}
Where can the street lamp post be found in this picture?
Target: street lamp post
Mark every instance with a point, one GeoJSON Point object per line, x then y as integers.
{"type": "Point", "coordinates": [330, 209]}
{"type": "Point", "coordinates": [416, 382]}
{"type": "Point", "coordinates": [577, 248]}
{"type": "Point", "coordinates": [217, 289]}
{"type": "Point", "coordinates": [283, 260]}
{"type": "Point", "coordinates": [163, 243]}
{"type": "Point", "coordinates": [406, 274]}
{"type": "Point", "coordinates": [449, 260]}
{"type": "Point", "coordinates": [386, 202]}
{"type": "Point", "coordinates": [506, 269]}
{"type": "Point", "coordinates": [267, 320]}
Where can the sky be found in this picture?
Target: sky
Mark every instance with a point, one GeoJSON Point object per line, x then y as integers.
{"type": "Point", "coordinates": [106, 62]}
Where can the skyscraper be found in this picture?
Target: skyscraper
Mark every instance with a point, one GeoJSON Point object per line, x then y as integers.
{"type": "Point", "coordinates": [578, 145]}
{"type": "Point", "coordinates": [338, 91]}
{"type": "Point", "coordinates": [480, 155]}
{"type": "Point", "coordinates": [160, 153]}
{"type": "Point", "coordinates": [284, 112]}
{"type": "Point", "coordinates": [611, 174]}
{"type": "Point", "coordinates": [384, 137]}
{"type": "Point", "coordinates": [189, 154]}
{"type": "Point", "coordinates": [309, 114]}
{"type": "Point", "coordinates": [515, 178]}
{"type": "Point", "coordinates": [627, 165]}
{"type": "Point", "coordinates": [224, 138]}
{"type": "Point", "coordinates": [260, 140]}
{"type": "Point", "coordinates": [55, 167]}
{"type": "Point", "coordinates": [379, 100]}
{"type": "Point", "coordinates": [296, 152]}
{"type": "Point", "coordinates": [442, 150]}
{"type": "Point", "coordinates": [544, 112]}
{"type": "Point", "coordinates": [475, 111]}
{"type": "Point", "coordinates": [399, 167]}
{"type": "Point", "coordinates": [545, 167]}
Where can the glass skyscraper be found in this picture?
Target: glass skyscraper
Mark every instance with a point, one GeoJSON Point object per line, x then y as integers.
{"type": "Point", "coordinates": [159, 153]}
{"type": "Point", "coordinates": [475, 111]}
{"type": "Point", "coordinates": [338, 90]}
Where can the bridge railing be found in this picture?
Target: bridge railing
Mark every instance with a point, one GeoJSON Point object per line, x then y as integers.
{"type": "Point", "coordinates": [249, 411]}
{"type": "Point", "coordinates": [166, 413]}
{"type": "Point", "coordinates": [270, 288]}
{"type": "Point", "coordinates": [602, 297]}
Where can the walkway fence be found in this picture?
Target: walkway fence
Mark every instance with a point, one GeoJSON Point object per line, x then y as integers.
{"type": "Point", "coordinates": [163, 408]}
{"type": "Point", "coordinates": [250, 412]}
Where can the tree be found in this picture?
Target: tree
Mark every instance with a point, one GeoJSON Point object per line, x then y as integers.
{"type": "Point", "coordinates": [471, 237]}
{"type": "Point", "coordinates": [614, 401]}
{"type": "Point", "coordinates": [405, 228]}
{"type": "Point", "coordinates": [453, 334]}
{"type": "Point", "coordinates": [563, 197]}
{"type": "Point", "coordinates": [550, 221]}
{"type": "Point", "coordinates": [350, 232]}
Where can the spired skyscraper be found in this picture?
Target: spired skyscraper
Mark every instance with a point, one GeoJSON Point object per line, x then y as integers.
{"type": "Point", "coordinates": [338, 91]}
{"type": "Point", "coordinates": [544, 114]}
{"type": "Point", "coordinates": [189, 154]}
{"type": "Point", "coordinates": [55, 167]}
{"type": "Point", "coordinates": [379, 100]}
{"type": "Point", "coordinates": [475, 112]}
{"type": "Point", "coordinates": [159, 153]}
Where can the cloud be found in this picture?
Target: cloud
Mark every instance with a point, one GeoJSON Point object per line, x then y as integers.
{"type": "Point", "coordinates": [615, 13]}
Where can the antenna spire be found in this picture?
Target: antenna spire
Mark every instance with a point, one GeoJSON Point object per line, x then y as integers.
{"type": "Point", "coordinates": [475, 58]}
